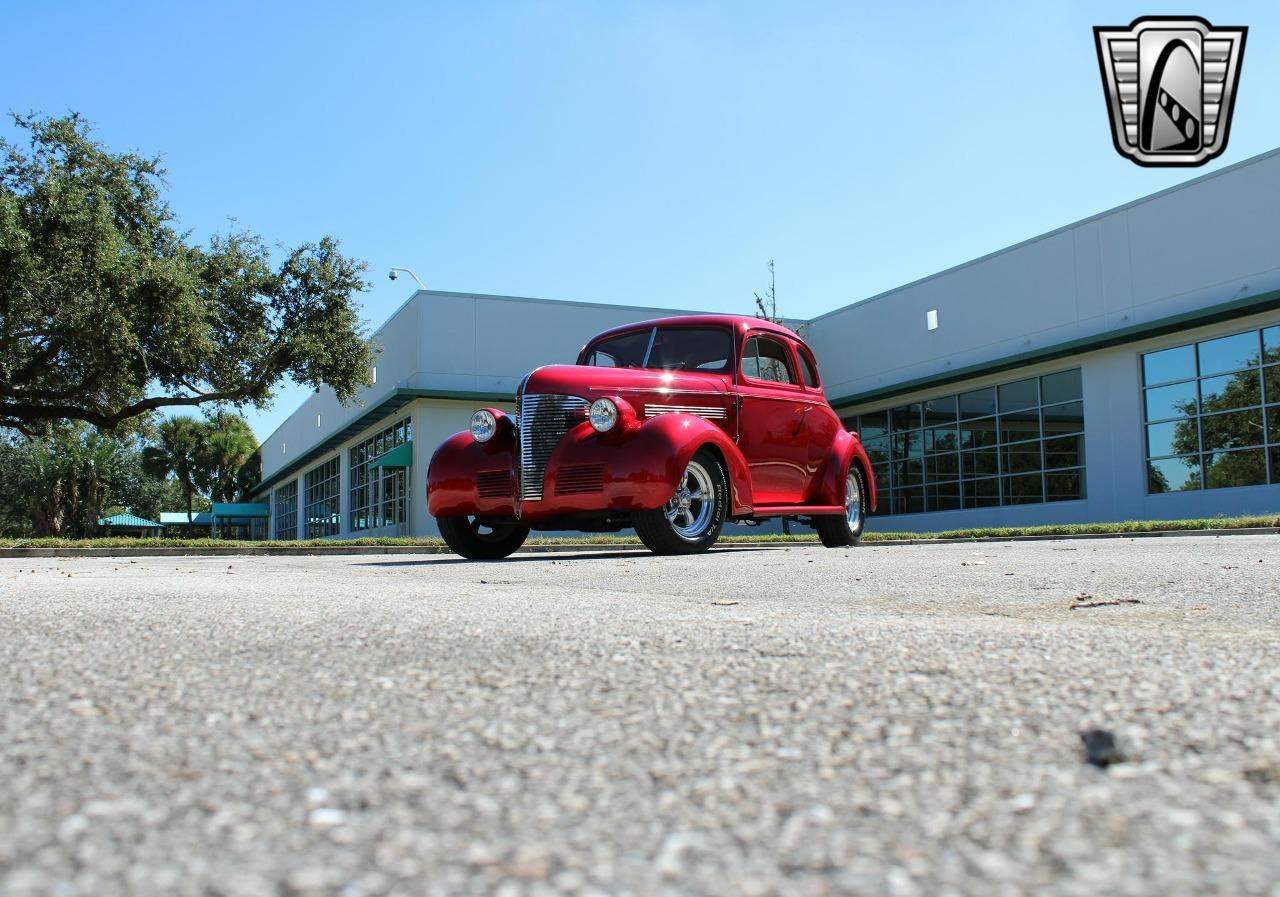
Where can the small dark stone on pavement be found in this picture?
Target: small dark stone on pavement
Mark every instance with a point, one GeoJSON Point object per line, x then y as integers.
{"type": "Point", "coordinates": [1101, 748]}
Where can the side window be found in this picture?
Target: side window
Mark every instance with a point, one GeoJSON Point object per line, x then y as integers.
{"type": "Point", "coordinates": [807, 369]}
{"type": "Point", "coordinates": [767, 359]}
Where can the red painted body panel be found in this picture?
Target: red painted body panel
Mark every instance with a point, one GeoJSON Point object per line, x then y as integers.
{"type": "Point", "coordinates": [452, 486]}
{"type": "Point", "coordinates": [846, 449]}
{"type": "Point", "coordinates": [783, 447]}
{"type": "Point", "coordinates": [640, 470]}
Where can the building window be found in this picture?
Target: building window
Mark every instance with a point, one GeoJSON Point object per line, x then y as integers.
{"type": "Point", "coordinates": [286, 510]}
{"type": "Point", "coordinates": [379, 495]}
{"type": "Point", "coordinates": [1211, 412]}
{"type": "Point", "coordinates": [1017, 443]}
{"type": "Point", "coordinates": [322, 497]}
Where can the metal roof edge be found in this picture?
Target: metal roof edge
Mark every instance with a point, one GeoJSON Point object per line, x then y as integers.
{"type": "Point", "coordinates": [576, 302]}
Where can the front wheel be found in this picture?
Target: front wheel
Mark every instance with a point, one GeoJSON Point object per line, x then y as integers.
{"type": "Point", "coordinates": [481, 540]}
{"type": "Point", "coordinates": [691, 521]}
{"type": "Point", "coordinates": [843, 531]}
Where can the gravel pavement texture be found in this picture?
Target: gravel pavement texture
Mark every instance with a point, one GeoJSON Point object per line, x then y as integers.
{"type": "Point", "coordinates": [900, 720]}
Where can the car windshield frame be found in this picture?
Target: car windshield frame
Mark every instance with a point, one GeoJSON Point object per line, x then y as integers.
{"type": "Point", "coordinates": [654, 333]}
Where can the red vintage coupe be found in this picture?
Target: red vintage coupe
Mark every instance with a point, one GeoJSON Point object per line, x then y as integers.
{"type": "Point", "coordinates": [672, 427]}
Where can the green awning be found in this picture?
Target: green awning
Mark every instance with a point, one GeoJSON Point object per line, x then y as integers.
{"type": "Point", "coordinates": [129, 521]}
{"type": "Point", "coordinates": [400, 456]}
{"type": "Point", "coordinates": [179, 518]}
{"type": "Point", "coordinates": [240, 510]}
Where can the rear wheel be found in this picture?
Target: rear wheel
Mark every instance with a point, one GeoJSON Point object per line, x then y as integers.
{"type": "Point", "coordinates": [843, 531]}
{"type": "Point", "coordinates": [481, 540]}
{"type": "Point", "coordinates": [691, 521]}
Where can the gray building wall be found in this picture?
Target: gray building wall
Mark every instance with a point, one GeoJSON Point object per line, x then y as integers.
{"type": "Point", "coordinates": [1202, 243]}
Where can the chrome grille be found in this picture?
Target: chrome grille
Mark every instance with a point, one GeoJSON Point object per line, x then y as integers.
{"type": "Point", "coordinates": [543, 420]}
{"type": "Point", "coordinates": [707, 411]}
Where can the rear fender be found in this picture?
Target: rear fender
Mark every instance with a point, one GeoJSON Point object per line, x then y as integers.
{"type": "Point", "coordinates": [846, 449]}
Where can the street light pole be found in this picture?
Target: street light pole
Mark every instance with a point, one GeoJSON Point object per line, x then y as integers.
{"type": "Point", "coordinates": [395, 272]}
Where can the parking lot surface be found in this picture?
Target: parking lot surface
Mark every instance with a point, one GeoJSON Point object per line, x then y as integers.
{"type": "Point", "coordinates": [884, 720]}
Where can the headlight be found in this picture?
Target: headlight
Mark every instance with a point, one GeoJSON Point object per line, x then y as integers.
{"type": "Point", "coordinates": [483, 425]}
{"type": "Point", "coordinates": [604, 415]}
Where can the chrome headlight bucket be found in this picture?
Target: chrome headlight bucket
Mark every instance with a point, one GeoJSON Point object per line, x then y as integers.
{"type": "Point", "coordinates": [484, 425]}
{"type": "Point", "coordinates": [603, 415]}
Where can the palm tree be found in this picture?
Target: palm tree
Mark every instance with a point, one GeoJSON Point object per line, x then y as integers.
{"type": "Point", "coordinates": [176, 452]}
{"type": "Point", "coordinates": [227, 457]}
{"type": "Point", "coordinates": [69, 476]}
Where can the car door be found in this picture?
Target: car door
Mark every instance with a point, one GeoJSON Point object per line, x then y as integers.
{"type": "Point", "coordinates": [772, 420]}
{"type": "Point", "coordinates": [820, 424]}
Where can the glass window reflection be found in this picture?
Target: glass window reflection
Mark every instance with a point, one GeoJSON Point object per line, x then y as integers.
{"type": "Point", "coordinates": [980, 448]}
{"type": "Point", "coordinates": [1169, 364]}
{"type": "Point", "coordinates": [1220, 419]}
{"type": "Point", "coordinates": [1222, 470]}
{"type": "Point", "coordinates": [1239, 390]}
{"type": "Point", "coordinates": [1173, 474]}
{"type": "Point", "coordinates": [1228, 353]}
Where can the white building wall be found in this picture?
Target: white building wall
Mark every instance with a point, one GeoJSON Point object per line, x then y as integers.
{"type": "Point", "coordinates": [478, 343]}
{"type": "Point", "coordinates": [434, 421]}
{"type": "Point", "coordinates": [396, 364]}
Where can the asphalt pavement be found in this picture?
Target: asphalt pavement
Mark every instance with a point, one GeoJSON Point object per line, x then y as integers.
{"type": "Point", "coordinates": [901, 720]}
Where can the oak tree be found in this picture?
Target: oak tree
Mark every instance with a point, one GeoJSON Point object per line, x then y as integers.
{"type": "Point", "coordinates": [108, 311]}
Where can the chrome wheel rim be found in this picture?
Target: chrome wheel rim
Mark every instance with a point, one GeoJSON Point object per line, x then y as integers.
{"type": "Point", "coordinates": [691, 509]}
{"type": "Point", "coordinates": [852, 501]}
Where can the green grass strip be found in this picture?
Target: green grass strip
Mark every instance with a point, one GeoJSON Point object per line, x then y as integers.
{"type": "Point", "coordinates": [1060, 529]}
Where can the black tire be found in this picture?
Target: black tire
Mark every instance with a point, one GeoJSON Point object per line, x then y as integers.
{"type": "Point", "coordinates": [479, 540]}
{"type": "Point", "coordinates": [837, 531]}
{"type": "Point", "coordinates": [659, 530]}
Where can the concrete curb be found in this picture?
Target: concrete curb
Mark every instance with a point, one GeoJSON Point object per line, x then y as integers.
{"type": "Point", "coordinates": [1159, 533]}
{"type": "Point", "coordinates": [340, 549]}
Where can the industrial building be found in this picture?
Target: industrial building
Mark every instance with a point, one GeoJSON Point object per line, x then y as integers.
{"type": "Point", "coordinates": [1123, 367]}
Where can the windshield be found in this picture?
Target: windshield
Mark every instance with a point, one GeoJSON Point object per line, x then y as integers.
{"type": "Point", "coordinates": [705, 349]}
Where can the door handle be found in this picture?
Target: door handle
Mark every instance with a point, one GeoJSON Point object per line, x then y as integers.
{"type": "Point", "coordinates": [803, 410]}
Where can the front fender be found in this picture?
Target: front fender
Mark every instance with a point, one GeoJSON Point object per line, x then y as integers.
{"type": "Point", "coordinates": [644, 462]}
{"type": "Point", "coordinates": [689, 433]}
{"type": "Point", "coordinates": [846, 449]}
{"type": "Point", "coordinates": [451, 477]}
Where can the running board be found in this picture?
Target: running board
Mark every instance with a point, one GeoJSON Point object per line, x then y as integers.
{"type": "Point", "coordinates": [797, 510]}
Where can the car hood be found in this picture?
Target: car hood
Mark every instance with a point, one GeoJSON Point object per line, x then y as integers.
{"type": "Point", "coordinates": [595, 382]}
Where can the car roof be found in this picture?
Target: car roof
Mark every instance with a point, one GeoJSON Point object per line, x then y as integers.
{"type": "Point", "coordinates": [737, 322]}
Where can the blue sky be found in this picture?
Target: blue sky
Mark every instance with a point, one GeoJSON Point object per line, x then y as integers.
{"type": "Point", "coordinates": [648, 153]}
